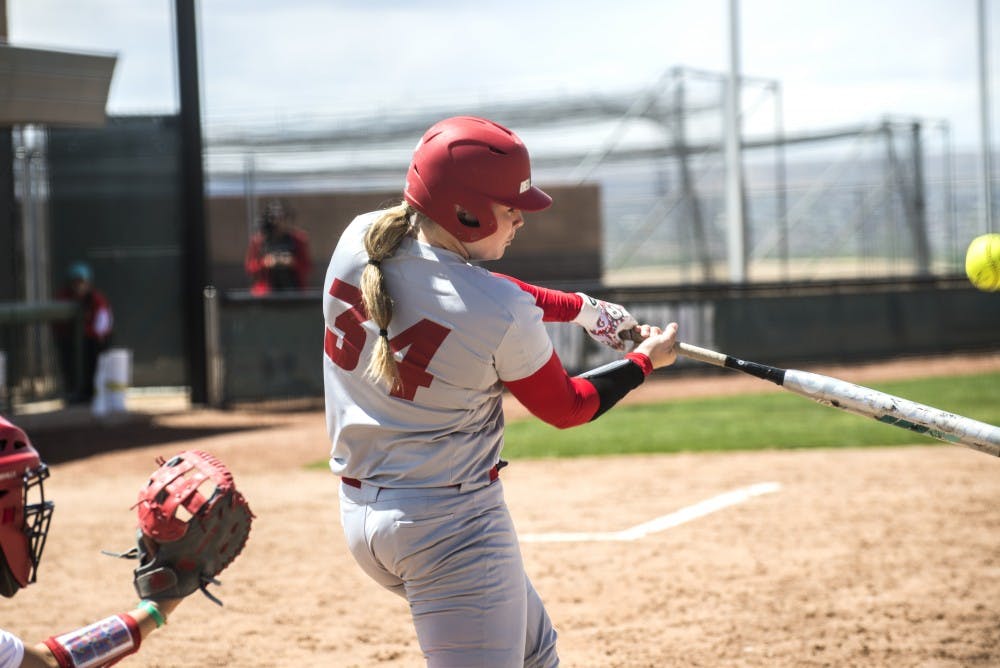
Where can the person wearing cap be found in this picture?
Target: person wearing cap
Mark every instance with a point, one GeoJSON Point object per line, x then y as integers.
{"type": "Point", "coordinates": [420, 344]}
{"type": "Point", "coordinates": [97, 330]}
{"type": "Point", "coordinates": [26, 515]}
{"type": "Point", "coordinates": [277, 257]}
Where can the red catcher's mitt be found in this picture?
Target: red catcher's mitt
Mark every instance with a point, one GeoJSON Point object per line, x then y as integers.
{"type": "Point", "coordinates": [192, 524]}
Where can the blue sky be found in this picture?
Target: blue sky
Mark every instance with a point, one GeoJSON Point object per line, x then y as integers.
{"type": "Point", "coordinates": [842, 62]}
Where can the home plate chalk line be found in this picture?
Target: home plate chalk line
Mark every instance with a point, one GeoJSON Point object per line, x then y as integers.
{"type": "Point", "coordinates": [662, 523]}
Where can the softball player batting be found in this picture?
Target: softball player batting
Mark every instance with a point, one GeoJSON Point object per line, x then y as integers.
{"type": "Point", "coordinates": [419, 346]}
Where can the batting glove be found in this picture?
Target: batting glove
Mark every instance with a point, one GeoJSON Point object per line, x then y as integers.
{"type": "Point", "coordinates": [604, 321]}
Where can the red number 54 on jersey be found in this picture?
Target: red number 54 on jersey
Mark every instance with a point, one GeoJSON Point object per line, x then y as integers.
{"type": "Point", "coordinates": [420, 340]}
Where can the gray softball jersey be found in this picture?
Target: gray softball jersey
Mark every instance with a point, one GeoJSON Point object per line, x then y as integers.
{"type": "Point", "coordinates": [458, 331]}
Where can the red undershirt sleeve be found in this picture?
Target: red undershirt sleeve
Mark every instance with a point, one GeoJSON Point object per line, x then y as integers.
{"type": "Point", "coordinates": [563, 401]}
{"type": "Point", "coordinates": [556, 398]}
{"type": "Point", "coordinates": [556, 305]}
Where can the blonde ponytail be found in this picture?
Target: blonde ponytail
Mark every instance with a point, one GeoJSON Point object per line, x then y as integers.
{"type": "Point", "coordinates": [381, 242]}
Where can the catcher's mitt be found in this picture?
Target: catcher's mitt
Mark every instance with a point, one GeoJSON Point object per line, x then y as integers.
{"type": "Point", "coordinates": [192, 524]}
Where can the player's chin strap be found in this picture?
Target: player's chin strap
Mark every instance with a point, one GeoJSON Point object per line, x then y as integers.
{"type": "Point", "coordinates": [161, 580]}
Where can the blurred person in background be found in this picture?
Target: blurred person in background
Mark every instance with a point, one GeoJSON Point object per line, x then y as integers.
{"type": "Point", "coordinates": [26, 517]}
{"type": "Point", "coordinates": [98, 324]}
{"type": "Point", "coordinates": [277, 257]}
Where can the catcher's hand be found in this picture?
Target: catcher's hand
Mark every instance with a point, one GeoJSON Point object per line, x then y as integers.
{"type": "Point", "coordinates": [192, 524]}
{"type": "Point", "coordinates": [604, 321]}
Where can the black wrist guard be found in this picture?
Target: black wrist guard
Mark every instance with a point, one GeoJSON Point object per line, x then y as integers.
{"type": "Point", "coordinates": [613, 381]}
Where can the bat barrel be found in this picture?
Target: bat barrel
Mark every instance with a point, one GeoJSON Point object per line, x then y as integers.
{"type": "Point", "coordinates": [896, 411]}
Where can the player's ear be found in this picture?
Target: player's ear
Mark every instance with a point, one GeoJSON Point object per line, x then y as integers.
{"type": "Point", "coordinates": [466, 217]}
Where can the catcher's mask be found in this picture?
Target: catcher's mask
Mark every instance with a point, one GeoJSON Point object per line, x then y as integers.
{"type": "Point", "coordinates": [468, 163]}
{"type": "Point", "coordinates": [24, 512]}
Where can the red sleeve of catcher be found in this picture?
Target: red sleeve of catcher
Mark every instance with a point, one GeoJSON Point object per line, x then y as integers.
{"type": "Point", "coordinates": [556, 305]}
{"type": "Point", "coordinates": [556, 398]}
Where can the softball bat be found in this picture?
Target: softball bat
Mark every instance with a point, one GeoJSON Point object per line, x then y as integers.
{"type": "Point", "coordinates": [885, 408]}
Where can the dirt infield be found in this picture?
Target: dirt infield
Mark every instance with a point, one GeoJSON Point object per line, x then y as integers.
{"type": "Point", "coordinates": [874, 557]}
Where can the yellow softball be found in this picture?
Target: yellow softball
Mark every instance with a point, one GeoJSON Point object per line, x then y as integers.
{"type": "Point", "coordinates": [982, 262]}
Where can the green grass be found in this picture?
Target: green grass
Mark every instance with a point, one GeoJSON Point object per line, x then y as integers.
{"type": "Point", "coordinates": [751, 422]}
{"type": "Point", "coordinates": [780, 420]}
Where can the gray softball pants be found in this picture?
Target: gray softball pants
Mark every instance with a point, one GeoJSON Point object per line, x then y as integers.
{"type": "Point", "coordinates": [455, 557]}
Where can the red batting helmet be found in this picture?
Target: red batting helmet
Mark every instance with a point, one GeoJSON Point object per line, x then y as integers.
{"type": "Point", "coordinates": [24, 524]}
{"type": "Point", "coordinates": [470, 163]}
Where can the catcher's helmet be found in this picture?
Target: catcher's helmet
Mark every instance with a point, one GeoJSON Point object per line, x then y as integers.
{"type": "Point", "coordinates": [24, 524]}
{"type": "Point", "coordinates": [469, 163]}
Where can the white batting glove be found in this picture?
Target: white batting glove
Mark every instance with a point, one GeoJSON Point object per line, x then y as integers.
{"type": "Point", "coordinates": [604, 321]}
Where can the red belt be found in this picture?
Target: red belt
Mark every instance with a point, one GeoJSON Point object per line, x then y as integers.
{"type": "Point", "coordinates": [494, 474]}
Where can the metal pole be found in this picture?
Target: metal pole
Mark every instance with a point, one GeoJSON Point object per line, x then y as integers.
{"type": "Point", "coordinates": [918, 203]}
{"type": "Point", "coordinates": [193, 194]}
{"type": "Point", "coordinates": [737, 232]}
{"type": "Point", "coordinates": [250, 192]}
{"type": "Point", "coordinates": [948, 150]}
{"type": "Point", "coordinates": [986, 149]}
{"type": "Point", "coordinates": [10, 258]}
{"type": "Point", "coordinates": [216, 377]}
{"type": "Point", "coordinates": [781, 180]}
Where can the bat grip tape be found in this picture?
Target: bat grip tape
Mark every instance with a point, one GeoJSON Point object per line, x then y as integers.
{"type": "Point", "coordinates": [764, 371]}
